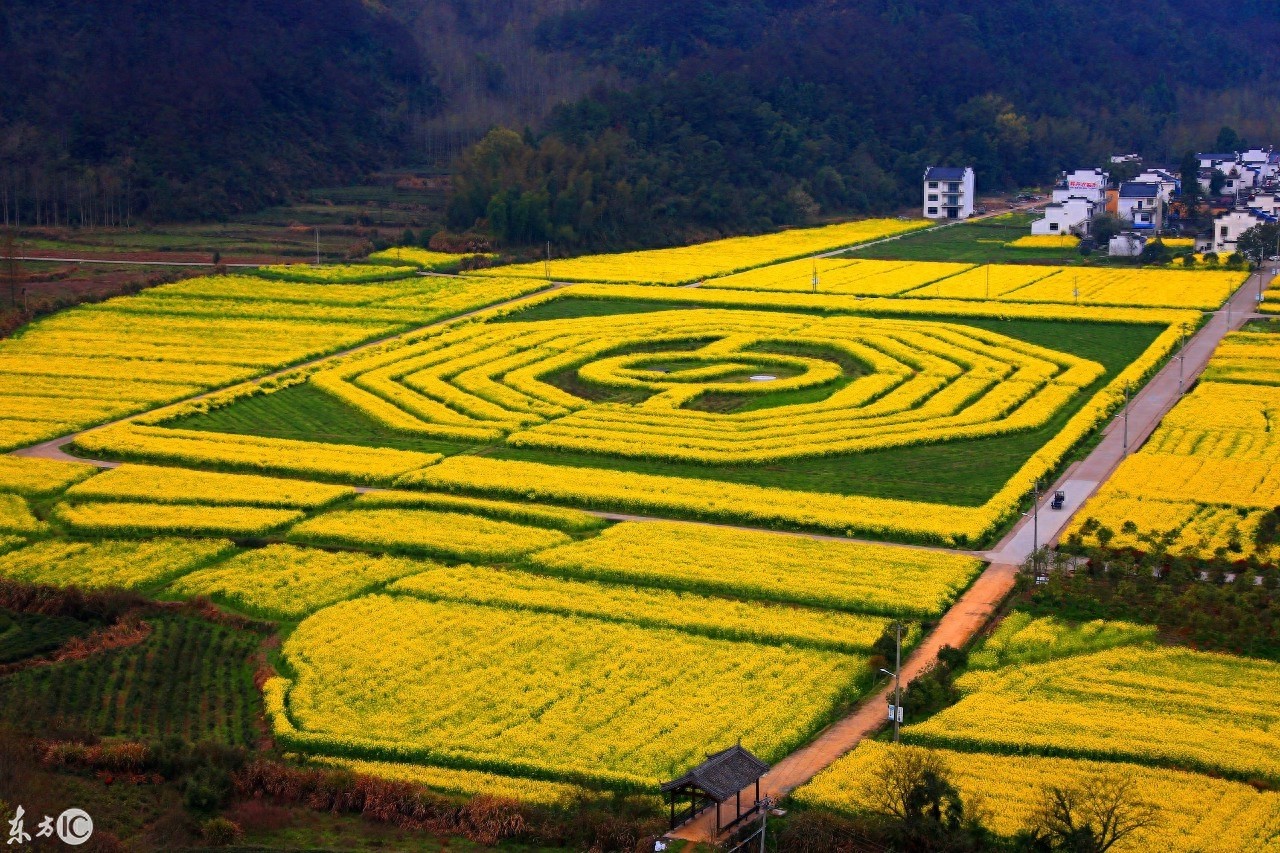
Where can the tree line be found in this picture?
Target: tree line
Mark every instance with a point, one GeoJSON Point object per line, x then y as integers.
{"type": "Point", "coordinates": [751, 115]}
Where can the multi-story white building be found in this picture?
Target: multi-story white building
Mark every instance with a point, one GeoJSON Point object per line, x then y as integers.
{"type": "Point", "coordinates": [948, 192]}
{"type": "Point", "coordinates": [1216, 159]}
{"type": "Point", "coordinates": [1227, 228]}
{"type": "Point", "coordinates": [1089, 184]}
{"type": "Point", "coordinates": [1141, 204]}
{"type": "Point", "coordinates": [1072, 216]}
{"type": "Point", "coordinates": [1169, 183]}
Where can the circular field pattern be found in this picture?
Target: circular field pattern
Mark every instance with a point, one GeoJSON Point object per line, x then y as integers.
{"type": "Point", "coordinates": [684, 384]}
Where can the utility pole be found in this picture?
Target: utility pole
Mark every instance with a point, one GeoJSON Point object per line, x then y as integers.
{"type": "Point", "coordinates": [897, 682]}
{"type": "Point", "coordinates": [765, 805]}
{"type": "Point", "coordinates": [546, 264]}
{"type": "Point", "coordinates": [815, 277]}
{"type": "Point", "coordinates": [317, 245]}
{"type": "Point", "coordinates": [895, 710]}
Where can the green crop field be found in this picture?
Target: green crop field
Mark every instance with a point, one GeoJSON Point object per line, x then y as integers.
{"type": "Point", "coordinates": [189, 678]}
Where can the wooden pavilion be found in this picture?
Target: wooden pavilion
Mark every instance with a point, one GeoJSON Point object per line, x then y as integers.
{"type": "Point", "coordinates": [721, 777]}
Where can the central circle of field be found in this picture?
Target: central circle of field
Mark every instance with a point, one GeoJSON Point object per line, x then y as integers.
{"type": "Point", "coordinates": [678, 384]}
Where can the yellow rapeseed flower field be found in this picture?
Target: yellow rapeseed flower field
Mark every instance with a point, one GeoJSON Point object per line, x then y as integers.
{"type": "Point", "coordinates": [1195, 814]}
{"type": "Point", "coordinates": [339, 274]}
{"type": "Point", "coordinates": [40, 477]}
{"type": "Point", "coordinates": [840, 275]}
{"type": "Point", "coordinates": [1045, 241]}
{"type": "Point", "coordinates": [1206, 477]}
{"type": "Point", "coordinates": [464, 783]}
{"type": "Point", "coordinates": [287, 582]}
{"type": "Point", "coordinates": [559, 697]}
{"type": "Point", "coordinates": [1023, 638]}
{"type": "Point", "coordinates": [103, 362]}
{"type": "Point", "coordinates": [16, 517]}
{"type": "Point", "coordinates": [1208, 712]}
{"type": "Point", "coordinates": [719, 257]}
{"type": "Point", "coordinates": [148, 483]}
{"type": "Point", "coordinates": [1170, 288]}
{"type": "Point", "coordinates": [254, 453]}
{"type": "Point", "coordinates": [539, 515]}
{"type": "Point", "coordinates": [108, 563]}
{"type": "Point", "coordinates": [422, 531]}
{"type": "Point", "coordinates": [726, 618]}
{"type": "Point", "coordinates": [420, 258]}
{"type": "Point", "coordinates": [127, 518]}
{"type": "Point", "coordinates": [859, 577]}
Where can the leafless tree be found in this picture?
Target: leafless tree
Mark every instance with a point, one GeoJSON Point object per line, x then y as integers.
{"type": "Point", "coordinates": [1093, 815]}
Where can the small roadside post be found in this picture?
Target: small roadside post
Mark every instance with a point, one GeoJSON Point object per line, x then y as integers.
{"type": "Point", "coordinates": [895, 709]}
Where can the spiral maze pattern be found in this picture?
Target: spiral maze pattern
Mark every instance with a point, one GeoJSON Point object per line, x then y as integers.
{"type": "Point", "coordinates": [784, 386]}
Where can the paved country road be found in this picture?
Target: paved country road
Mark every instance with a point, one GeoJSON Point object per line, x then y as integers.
{"type": "Point", "coordinates": [973, 611]}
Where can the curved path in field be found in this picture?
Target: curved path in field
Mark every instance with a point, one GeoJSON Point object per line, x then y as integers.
{"type": "Point", "coordinates": [974, 609]}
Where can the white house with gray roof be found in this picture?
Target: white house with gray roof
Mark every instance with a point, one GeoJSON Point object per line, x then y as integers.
{"type": "Point", "coordinates": [1141, 204]}
{"type": "Point", "coordinates": [948, 192]}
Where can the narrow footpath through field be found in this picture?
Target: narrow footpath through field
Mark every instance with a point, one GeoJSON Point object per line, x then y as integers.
{"type": "Point", "coordinates": [974, 609]}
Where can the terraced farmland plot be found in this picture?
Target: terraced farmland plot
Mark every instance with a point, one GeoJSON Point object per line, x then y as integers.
{"type": "Point", "coordinates": [171, 342]}
{"type": "Point", "coordinates": [542, 695]}
{"type": "Point", "coordinates": [110, 563]}
{"type": "Point", "coordinates": [1162, 706]}
{"type": "Point", "coordinates": [1195, 814]}
{"type": "Point", "coordinates": [1207, 478]}
{"type": "Point", "coordinates": [725, 618]}
{"type": "Point", "coordinates": [840, 275]}
{"type": "Point", "coordinates": [704, 260]}
{"type": "Point", "coordinates": [845, 576]}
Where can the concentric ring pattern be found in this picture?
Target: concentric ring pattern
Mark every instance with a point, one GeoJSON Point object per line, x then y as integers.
{"type": "Point", "coordinates": [840, 384]}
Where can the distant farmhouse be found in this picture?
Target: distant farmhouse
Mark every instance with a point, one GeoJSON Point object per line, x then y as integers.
{"type": "Point", "coordinates": [948, 192]}
{"type": "Point", "coordinates": [1078, 197]}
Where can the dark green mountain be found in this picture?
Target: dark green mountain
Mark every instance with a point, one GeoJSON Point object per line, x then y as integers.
{"type": "Point", "coordinates": [631, 123]}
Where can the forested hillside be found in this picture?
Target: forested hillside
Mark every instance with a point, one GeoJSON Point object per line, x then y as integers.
{"type": "Point", "coordinates": [626, 124]}
{"type": "Point", "coordinates": [744, 114]}
{"type": "Point", "coordinates": [189, 109]}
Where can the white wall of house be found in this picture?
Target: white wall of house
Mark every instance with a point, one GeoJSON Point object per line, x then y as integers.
{"type": "Point", "coordinates": [1072, 216]}
{"type": "Point", "coordinates": [1126, 245]}
{"type": "Point", "coordinates": [1144, 213]}
{"type": "Point", "coordinates": [1089, 184]}
{"type": "Point", "coordinates": [1268, 203]}
{"type": "Point", "coordinates": [945, 199]}
{"type": "Point", "coordinates": [1168, 183]}
{"type": "Point", "coordinates": [1216, 160]}
{"type": "Point", "coordinates": [1228, 227]}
